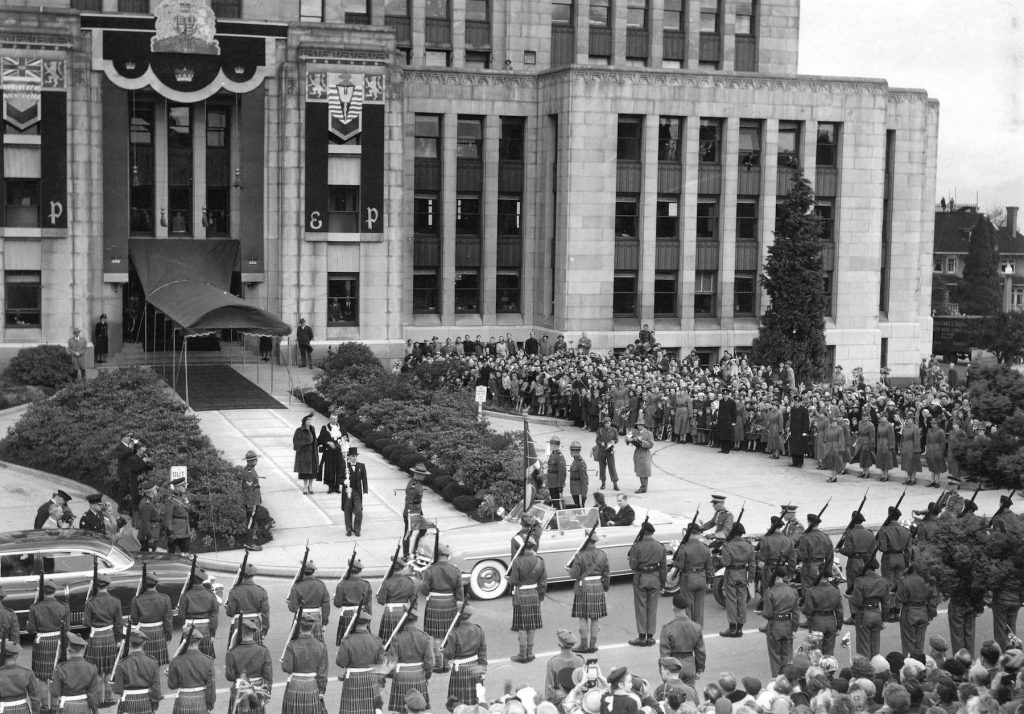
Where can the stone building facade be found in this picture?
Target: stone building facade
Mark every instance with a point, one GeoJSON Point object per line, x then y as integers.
{"type": "Point", "coordinates": [395, 170]}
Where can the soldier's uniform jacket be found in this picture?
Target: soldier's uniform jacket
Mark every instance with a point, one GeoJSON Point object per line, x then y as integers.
{"type": "Point", "coordinates": [647, 560]}
{"type": "Point", "coordinates": [926, 529]}
{"type": "Point", "coordinates": [249, 659]}
{"type": "Point", "coordinates": [150, 519]}
{"type": "Point", "coordinates": [578, 481]}
{"type": "Point", "coordinates": [175, 513]}
{"type": "Point", "coordinates": [104, 609]}
{"type": "Point", "coordinates": [360, 649]}
{"type": "Point", "coordinates": [47, 615]}
{"type": "Point", "coordinates": [354, 591]}
{"type": "Point", "coordinates": [314, 594]}
{"type": "Point", "coordinates": [200, 602]}
{"type": "Point", "coordinates": [17, 682]}
{"type": "Point", "coordinates": [466, 640]}
{"type": "Point", "coordinates": [248, 598]}
{"type": "Point", "coordinates": [914, 592]}
{"type": "Point", "coordinates": [524, 533]}
{"type": "Point", "coordinates": [869, 592]}
{"type": "Point", "coordinates": [815, 547]}
{"type": "Point", "coordinates": [693, 561]}
{"type": "Point", "coordinates": [76, 676]}
{"type": "Point", "coordinates": [606, 436]}
{"type": "Point", "coordinates": [858, 543]}
{"type": "Point", "coordinates": [193, 669]}
{"type": "Point", "coordinates": [893, 539]}
{"type": "Point", "coordinates": [591, 561]}
{"type": "Point", "coordinates": [680, 636]}
{"type": "Point", "coordinates": [153, 606]}
{"type": "Point", "coordinates": [442, 577]}
{"type": "Point", "coordinates": [722, 522]}
{"type": "Point", "coordinates": [411, 644]}
{"type": "Point", "coordinates": [556, 470]}
{"type": "Point", "coordinates": [9, 625]}
{"type": "Point", "coordinates": [738, 559]}
{"type": "Point", "coordinates": [414, 497]}
{"type": "Point", "coordinates": [92, 521]}
{"type": "Point", "coordinates": [306, 654]}
{"type": "Point", "coordinates": [793, 529]}
{"type": "Point", "coordinates": [137, 670]}
{"type": "Point", "coordinates": [777, 549]}
{"type": "Point", "coordinates": [1003, 521]}
{"type": "Point", "coordinates": [780, 609]}
{"type": "Point", "coordinates": [251, 487]}
{"type": "Point", "coordinates": [823, 600]}
{"type": "Point", "coordinates": [951, 502]}
{"type": "Point", "coordinates": [529, 569]}
{"type": "Point", "coordinates": [398, 588]}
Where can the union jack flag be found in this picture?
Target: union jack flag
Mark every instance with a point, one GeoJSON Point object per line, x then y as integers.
{"type": "Point", "coordinates": [21, 79]}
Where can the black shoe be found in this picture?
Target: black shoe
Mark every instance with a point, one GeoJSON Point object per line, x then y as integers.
{"type": "Point", "coordinates": [520, 658]}
{"type": "Point", "coordinates": [603, 486]}
{"type": "Point", "coordinates": [581, 649]}
{"type": "Point", "coordinates": [615, 487]}
{"type": "Point", "coordinates": [348, 533]}
{"type": "Point", "coordinates": [358, 534]}
{"type": "Point", "coordinates": [650, 640]}
{"type": "Point", "coordinates": [639, 641]}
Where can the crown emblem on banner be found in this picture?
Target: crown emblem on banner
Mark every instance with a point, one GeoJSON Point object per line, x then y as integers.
{"type": "Point", "coordinates": [184, 74]}
{"type": "Point", "coordinates": [185, 27]}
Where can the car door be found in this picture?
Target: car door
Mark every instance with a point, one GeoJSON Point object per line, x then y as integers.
{"type": "Point", "coordinates": [19, 575]}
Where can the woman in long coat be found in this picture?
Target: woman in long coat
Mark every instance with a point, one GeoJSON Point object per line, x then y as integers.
{"type": "Point", "coordinates": [684, 408]}
{"type": "Point", "coordinates": [774, 430]}
{"type": "Point", "coordinates": [332, 454]}
{"type": "Point", "coordinates": [910, 456]}
{"type": "Point", "coordinates": [885, 445]}
{"type": "Point", "coordinates": [820, 422]}
{"type": "Point", "coordinates": [304, 444]}
{"type": "Point", "coordinates": [935, 450]}
{"type": "Point", "coordinates": [865, 454]}
{"type": "Point", "coordinates": [835, 449]}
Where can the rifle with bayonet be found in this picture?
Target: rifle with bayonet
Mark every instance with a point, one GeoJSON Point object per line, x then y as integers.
{"type": "Point", "coordinates": [355, 615]}
{"type": "Point", "coordinates": [739, 519]}
{"type": "Point", "coordinates": [122, 652]}
{"type": "Point", "coordinates": [398, 626]}
{"type": "Point", "coordinates": [185, 638]}
{"type": "Point", "coordinates": [293, 631]}
{"type": "Point", "coordinates": [142, 580]}
{"type": "Point", "coordinates": [186, 586]}
{"type": "Point", "coordinates": [437, 543]}
{"type": "Point", "coordinates": [673, 571]}
{"type": "Point", "coordinates": [236, 630]}
{"type": "Point", "coordinates": [586, 540]}
{"type": "Point", "coordinates": [1002, 508]}
{"type": "Point", "coordinates": [240, 573]}
{"type": "Point", "coordinates": [393, 568]}
{"type": "Point", "coordinates": [526, 537]}
{"type": "Point", "coordinates": [39, 590]}
{"type": "Point", "coordinates": [455, 621]}
{"type": "Point", "coordinates": [62, 643]}
{"type": "Point", "coordinates": [95, 577]}
{"type": "Point", "coordinates": [640, 533]}
{"type": "Point", "coordinates": [302, 566]}
{"type": "Point", "coordinates": [842, 539]}
{"type": "Point", "coordinates": [974, 495]}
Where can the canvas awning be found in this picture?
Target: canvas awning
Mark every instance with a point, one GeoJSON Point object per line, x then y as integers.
{"type": "Point", "coordinates": [188, 281]}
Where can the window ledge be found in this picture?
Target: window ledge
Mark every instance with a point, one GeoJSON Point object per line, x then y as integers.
{"type": "Point", "coordinates": [344, 237]}
{"type": "Point", "coordinates": [426, 319]}
{"type": "Point", "coordinates": [20, 232]}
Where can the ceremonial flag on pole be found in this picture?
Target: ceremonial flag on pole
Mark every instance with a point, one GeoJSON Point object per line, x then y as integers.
{"type": "Point", "coordinates": [530, 462]}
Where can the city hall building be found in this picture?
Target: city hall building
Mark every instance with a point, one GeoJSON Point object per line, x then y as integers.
{"type": "Point", "coordinates": [403, 169]}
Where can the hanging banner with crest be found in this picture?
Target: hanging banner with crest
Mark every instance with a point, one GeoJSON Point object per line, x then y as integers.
{"type": "Point", "coordinates": [22, 86]}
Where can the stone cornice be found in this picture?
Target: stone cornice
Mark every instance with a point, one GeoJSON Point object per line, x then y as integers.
{"type": "Point", "coordinates": [36, 41]}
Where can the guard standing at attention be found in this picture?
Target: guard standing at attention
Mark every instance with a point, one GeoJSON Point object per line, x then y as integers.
{"type": "Point", "coordinates": [250, 670]}
{"type": "Point", "coordinates": [357, 655]}
{"type": "Point", "coordinates": [397, 594]}
{"type": "Point", "coordinates": [647, 561]}
{"type": "Point", "coordinates": [251, 495]}
{"type": "Point", "coordinates": [782, 612]}
{"type": "Point", "coordinates": [76, 683]}
{"type": "Point", "coordinates": [823, 605]}
{"type": "Point", "coordinates": [578, 479]}
{"type": "Point", "coordinates": [17, 684]}
{"type": "Point", "coordinates": [151, 611]}
{"type": "Point", "coordinates": [251, 602]}
{"type": "Point", "coordinates": [893, 542]}
{"type": "Point", "coordinates": [191, 673]}
{"type": "Point", "coordinates": [528, 578]}
{"type": "Point", "coordinates": [857, 544]}
{"type": "Point", "coordinates": [352, 595]}
{"type": "Point", "coordinates": [869, 594]}
{"type": "Point", "coordinates": [919, 601]}
{"type": "Point", "coordinates": [176, 524]}
{"type": "Point", "coordinates": [683, 639]}
{"type": "Point", "coordinates": [46, 617]}
{"type": "Point", "coordinates": [305, 662]}
{"type": "Point", "coordinates": [776, 550]}
{"type": "Point", "coordinates": [150, 518]}
{"type": "Point", "coordinates": [466, 649]}
{"type": "Point", "coordinates": [201, 610]}
{"type": "Point", "coordinates": [696, 569]}
{"type": "Point", "coordinates": [721, 522]}
{"type": "Point", "coordinates": [604, 452]}
{"type": "Point", "coordinates": [442, 584]}
{"type": "Point", "coordinates": [415, 524]}
{"type": "Point", "coordinates": [316, 601]}
{"type": "Point", "coordinates": [103, 617]}
{"type": "Point", "coordinates": [814, 550]}
{"type": "Point", "coordinates": [529, 528]}
{"type": "Point", "coordinates": [554, 481]}
{"type": "Point", "coordinates": [137, 679]}
{"type": "Point", "coordinates": [738, 559]}
{"type": "Point", "coordinates": [414, 657]}
{"type": "Point", "coordinates": [593, 578]}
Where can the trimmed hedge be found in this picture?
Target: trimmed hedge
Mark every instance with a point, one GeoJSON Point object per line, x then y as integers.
{"type": "Point", "coordinates": [74, 433]}
{"type": "Point", "coordinates": [42, 366]}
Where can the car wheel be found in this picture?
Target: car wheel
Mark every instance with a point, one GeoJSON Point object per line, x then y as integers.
{"type": "Point", "coordinates": [487, 580]}
{"type": "Point", "coordinates": [718, 590]}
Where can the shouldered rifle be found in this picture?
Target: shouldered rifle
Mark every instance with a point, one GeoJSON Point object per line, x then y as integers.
{"type": "Point", "coordinates": [122, 651]}
{"type": "Point", "coordinates": [437, 543]}
{"type": "Point", "coordinates": [528, 535]}
{"type": "Point", "coordinates": [95, 576]}
{"type": "Point", "coordinates": [455, 621]}
{"type": "Point", "coordinates": [842, 540]}
{"type": "Point", "coordinates": [142, 580]}
{"type": "Point", "coordinates": [185, 638]}
{"type": "Point", "coordinates": [739, 518]}
{"type": "Point", "coordinates": [352, 622]}
{"type": "Point", "coordinates": [62, 644]}
{"type": "Point", "coordinates": [241, 570]}
{"type": "Point", "coordinates": [302, 566]}
{"type": "Point", "coordinates": [888, 517]}
{"type": "Point", "coordinates": [293, 631]}
{"type": "Point", "coordinates": [640, 533]}
{"type": "Point", "coordinates": [351, 564]}
{"type": "Point", "coordinates": [398, 626]}
{"type": "Point", "coordinates": [39, 589]}
{"type": "Point", "coordinates": [187, 585]}
{"type": "Point", "coordinates": [236, 630]}
{"type": "Point", "coordinates": [581, 547]}
{"type": "Point", "coordinates": [393, 568]}
{"type": "Point", "coordinates": [685, 539]}
{"type": "Point", "coordinates": [1002, 508]}
{"type": "Point", "coordinates": [812, 526]}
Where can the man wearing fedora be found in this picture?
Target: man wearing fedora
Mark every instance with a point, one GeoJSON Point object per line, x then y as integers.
{"type": "Point", "coordinates": [352, 495]}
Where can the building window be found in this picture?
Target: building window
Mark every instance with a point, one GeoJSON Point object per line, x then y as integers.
{"type": "Point", "coordinates": [22, 204]}
{"type": "Point", "coordinates": [470, 137]}
{"type": "Point", "coordinates": [704, 292]}
{"type": "Point", "coordinates": [342, 299]}
{"type": "Point", "coordinates": [217, 212]}
{"type": "Point", "coordinates": [827, 154]}
{"type": "Point", "coordinates": [561, 11]}
{"type": "Point", "coordinates": [710, 141]}
{"type": "Point", "coordinates": [827, 289]}
{"type": "Point", "coordinates": [311, 10]}
{"type": "Point", "coordinates": [437, 58]}
{"type": "Point", "coordinates": [23, 298]}
{"type": "Point", "coordinates": [636, 14]}
{"type": "Point", "coordinates": [477, 10]}
{"type": "Point", "coordinates": [937, 264]}
{"type": "Point", "coordinates": [396, 8]}
{"type": "Point", "coordinates": [630, 133]}
{"type": "Point", "coordinates": [426, 214]}
{"type": "Point", "coordinates": [672, 19]}
{"type": "Point", "coordinates": [707, 218]}
{"type": "Point", "coordinates": [950, 265]}
{"type": "Point", "coordinates": [428, 136]}
{"type": "Point", "coordinates": [140, 191]}
{"type": "Point", "coordinates": [780, 216]}
{"type": "Point", "coordinates": [706, 356]}
{"type": "Point", "coordinates": [357, 12]}
{"type": "Point", "coordinates": [506, 292]}
{"type": "Point", "coordinates": [87, 5]}
{"type": "Point", "coordinates": [467, 215]}
{"type": "Point", "coordinates": [750, 143]}
{"type": "Point", "coordinates": [467, 292]}
{"type": "Point", "coordinates": [883, 357]}
{"type": "Point", "coordinates": [478, 60]}
{"type": "Point", "coordinates": [626, 218]}
{"type": "Point", "coordinates": [343, 209]}
{"type": "Point", "coordinates": [667, 218]}
{"type": "Point", "coordinates": [437, 9]}
{"type": "Point", "coordinates": [179, 169]}
{"type": "Point", "coordinates": [601, 13]}
{"type": "Point", "coordinates": [670, 138]}
{"type": "Point", "coordinates": [510, 216]}
{"type": "Point", "coordinates": [510, 145]}
{"type": "Point", "coordinates": [789, 145]}
{"type": "Point", "coordinates": [745, 17]}
{"type": "Point", "coordinates": [425, 289]}
{"type": "Point", "coordinates": [709, 16]}
{"type": "Point", "coordinates": [743, 293]}
{"type": "Point", "coordinates": [624, 294]}
{"type": "Point", "coordinates": [665, 294]}
{"type": "Point", "coordinates": [224, 8]}
{"type": "Point", "coordinates": [140, 6]}
{"type": "Point", "coordinates": [746, 219]}
{"type": "Point", "coordinates": [825, 212]}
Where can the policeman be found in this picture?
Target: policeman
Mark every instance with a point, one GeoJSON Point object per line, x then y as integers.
{"type": "Point", "coordinates": [722, 520]}
{"type": "Point", "coordinates": [251, 495]}
{"type": "Point", "coordinates": [414, 659]}
{"type": "Point", "coordinates": [823, 606]}
{"type": "Point", "coordinates": [397, 594]}
{"type": "Point", "coordinates": [191, 673]}
{"type": "Point", "coordinates": [694, 566]}
{"type": "Point", "coordinates": [555, 478]}
{"type": "Point", "coordinates": [683, 639]}
{"type": "Point", "coordinates": [647, 561]}
{"type": "Point", "coordinates": [104, 617]}
{"type": "Point", "coordinates": [857, 544]}
{"type": "Point", "coordinates": [357, 655]}
{"type": "Point", "coordinates": [607, 438]}
{"type": "Point", "coordinates": [442, 584]}
{"type": "Point", "coordinates": [176, 525]}
{"type": "Point", "coordinates": [918, 601]}
{"type": "Point", "coordinates": [250, 671]}
{"type": "Point", "coordinates": [305, 662]}
{"type": "Point", "coordinates": [783, 616]}
{"type": "Point", "coordinates": [311, 592]}
{"type": "Point", "coordinates": [869, 594]}
{"type": "Point", "coordinates": [415, 524]}
{"type": "Point", "coordinates": [528, 578]}
{"type": "Point", "coordinates": [776, 550]}
{"type": "Point", "coordinates": [137, 678]}
{"type": "Point", "coordinates": [201, 609]}
{"type": "Point", "coordinates": [590, 571]}
{"type": "Point", "coordinates": [150, 518]}
{"type": "Point", "coordinates": [93, 520]}
{"type": "Point", "coordinates": [151, 611]}
{"type": "Point", "coordinates": [46, 617]}
{"type": "Point", "coordinates": [351, 595]}
{"type": "Point", "coordinates": [893, 542]}
{"type": "Point", "coordinates": [792, 527]}
{"type": "Point", "coordinates": [466, 649]}
{"type": "Point", "coordinates": [738, 559]}
{"type": "Point", "coordinates": [76, 683]}
{"type": "Point", "coordinates": [247, 600]}
{"type": "Point", "coordinates": [814, 550]}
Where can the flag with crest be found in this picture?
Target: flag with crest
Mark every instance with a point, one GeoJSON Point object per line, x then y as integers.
{"type": "Point", "coordinates": [21, 79]}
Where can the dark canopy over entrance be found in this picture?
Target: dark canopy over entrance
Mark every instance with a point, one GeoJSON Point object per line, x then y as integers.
{"type": "Point", "coordinates": [188, 281]}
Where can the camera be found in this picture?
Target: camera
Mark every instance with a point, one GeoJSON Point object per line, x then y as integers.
{"type": "Point", "coordinates": [591, 671]}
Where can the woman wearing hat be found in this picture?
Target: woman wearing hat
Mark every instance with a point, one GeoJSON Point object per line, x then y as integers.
{"type": "Point", "coordinates": [304, 445]}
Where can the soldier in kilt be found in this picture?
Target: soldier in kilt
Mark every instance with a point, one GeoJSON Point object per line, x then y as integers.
{"type": "Point", "coordinates": [358, 655]}
{"type": "Point", "coordinates": [397, 594]}
{"type": "Point", "coordinates": [251, 602]}
{"type": "Point", "coordinates": [590, 570]}
{"type": "Point", "coordinates": [442, 584]}
{"type": "Point", "coordinates": [137, 678]}
{"type": "Point", "coordinates": [305, 663]}
{"type": "Point", "coordinates": [414, 655]}
{"type": "Point", "coordinates": [529, 580]}
{"type": "Point", "coordinates": [201, 609]}
{"type": "Point", "coordinates": [45, 619]}
{"type": "Point", "coordinates": [191, 673]}
{"type": "Point", "coordinates": [75, 684]}
{"type": "Point", "coordinates": [18, 694]}
{"type": "Point", "coordinates": [312, 594]}
{"type": "Point", "coordinates": [466, 649]}
{"type": "Point", "coordinates": [151, 611]}
{"type": "Point", "coordinates": [352, 595]}
{"type": "Point", "coordinates": [103, 616]}
{"type": "Point", "coordinates": [250, 671]}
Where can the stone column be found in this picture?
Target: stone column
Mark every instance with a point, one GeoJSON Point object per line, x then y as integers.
{"type": "Point", "coordinates": [449, 164]}
{"type": "Point", "coordinates": [489, 219]}
{"type": "Point", "coordinates": [648, 208]}
{"type": "Point", "coordinates": [727, 223]}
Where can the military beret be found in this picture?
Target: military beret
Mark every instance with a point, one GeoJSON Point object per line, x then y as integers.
{"type": "Point", "coordinates": [137, 638]}
{"type": "Point", "coordinates": [75, 640]}
{"type": "Point", "coordinates": [681, 600]}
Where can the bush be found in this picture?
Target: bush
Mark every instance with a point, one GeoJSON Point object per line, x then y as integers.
{"type": "Point", "coordinates": [43, 366]}
{"type": "Point", "coordinates": [349, 354]}
{"type": "Point", "coordinates": [74, 434]}
{"type": "Point", "coordinates": [467, 504]}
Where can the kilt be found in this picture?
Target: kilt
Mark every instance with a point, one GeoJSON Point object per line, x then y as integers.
{"type": "Point", "coordinates": [316, 614]}
{"type": "Point", "coordinates": [462, 683]}
{"type": "Point", "coordinates": [155, 646]}
{"type": "Point", "coordinates": [18, 706]}
{"type": "Point", "coordinates": [135, 701]}
{"type": "Point", "coordinates": [393, 612]}
{"type": "Point", "coordinates": [70, 705]}
{"type": "Point", "coordinates": [101, 650]}
{"type": "Point", "coordinates": [202, 624]}
{"type": "Point", "coordinates": [359, 691]}
{"type": "Point", "coordinates": [345, 615]}
{"type": "Point", "coordinates": [251, 702]}
{"type": "Point", "coordinates": [526, 610]}
{"type": "Point", "coordinates": [44, 651]}
{"type": "Point", "coordinates": [438, 614]}
{"type": "Point", "coordinates": [301, 696]}
{"type": "Point", "coordinates": [188, 702]}
{"type": "Point", "coordinates": [408, 675]}
{"type": "Point", "coordinates": [588, 600]}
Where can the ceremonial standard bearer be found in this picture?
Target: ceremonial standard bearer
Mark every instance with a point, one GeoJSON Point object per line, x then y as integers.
{"type": "Point", "coordinates": [529, 580]}
{"type": "Point", "coordinates": [357, 656]}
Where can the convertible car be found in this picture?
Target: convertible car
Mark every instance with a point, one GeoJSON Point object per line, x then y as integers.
{"type": "Point", "coordinates": [484, 556]}
{"type": "Point", "coordinates": [65, 558]}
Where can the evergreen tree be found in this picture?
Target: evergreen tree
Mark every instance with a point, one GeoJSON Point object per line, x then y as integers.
{"type": "Point", "coordinates": [793, 326]}
{"type": "Point", "coordinates": [980, 289]}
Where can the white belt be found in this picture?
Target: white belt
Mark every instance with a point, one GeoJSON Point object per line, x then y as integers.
{"type": "Point", "coordinates": [73, 698]}
{"type": "Point", "coordinates": [102, 629]}
{"type": "Point", "coordinates": [409, 665]}
{"type": "Point", "coordinates": [465, 660]}
{"type": "Point", "coordinates": [44, 635]}
{"type": "Point", "coordinates": [312, 611]}
{"type": "Point", "coordinates": [13, 703]}
{"type": "Point", "coordinates": [527, 587]}
{"type": "Point", "coordinates": [134, 692]}
{"type": "Point", "coordinates": [396, 605]}
{"type": "Point", "coordinates": [430, 595]}
{"type": "Point", "coordinates": [191, 690]}
{"type": "Point", "coordinates": [347, 608]}
{"type": "Point", "coordinates": [151, 624]}
{"type": "Point", "coordinates": [189, 621]}
{"type": "Point", "coordinates": [356, 670]}
{"type": "Point", "coordinates": [592, 577]}
{"type": "Point", "coordinates": [301, 675]}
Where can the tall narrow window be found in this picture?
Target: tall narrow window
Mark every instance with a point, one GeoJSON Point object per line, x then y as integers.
{"type": "Point", "coordinates": [669, 138]}
{"type": "Point", "coordinates": [507, 293]}
{"type": "Point", "coordinates": [624, 293]}
{"type": "Point", "coordinates": [467, 215]}
{"type": "Point", "coordinates": [629, 143]}
{"type": "Point", "coordinates": [709, 16]}
{"type": "Point", "coordinates": [342, 299]}
{"type": "Point", "coordinates": [600, 13]}
{"type": "Point", "coordinates": [437, 9]}
{"type": "Point", "coordinates": [746, 219]}
{"type": "Point", "coordinates": [626, 216]}
{"type": "Point", "coordinates": [672, 17]}
{"type": "Point", "coordinates": [710, 148]}
{"type": "Point", "coordinates": [179, 169]}
{"type": "Point", "coordinates": [510, 216]}
{"type": "Point", "coordinates": [467, 291]}
{"type": "Point", "coordinates": [311, 10]}
{"type": "Point", "coordinates": [561, 11]}
{"type": "Point", "coordinates": [827, 154]}
{"type": "Point", "coordinates": [470, 137]}
{"type": "Point", "coordinates": [636, 14]}
{"type": "Point", "coordinates": [744, 292]}
{"type": "Point", "coordinates": [140, 150]}
{"type": "Point", "coordinates": [510, 145]}
{"type": "Point", "coordinates": [425, 291]}
{"type": "Point", "coordinates": [23, 304]}
{"type": "Point", "coordinates": [789, 146]}
{"type": "Point", "coordinates": [665, 294]}
{"type": "Point", "coordinates": [426, 214]}
{"type": "Point", "coordinates": [707, 218]}
{"type": "Point", "coordinates": [745, 17]}
{"type": "Point", "coordinates": [704, 293]}
{"type": "Point", "coordinates": [750, 143]}
{"type": "Point", "coordinates": [824, 209]}
{"type": "Point", "coordinates": [217, 215]}
{"type": "Point", "coordinates": [428, 136]}
{"type": "Point", "coordinates": [667, 219]}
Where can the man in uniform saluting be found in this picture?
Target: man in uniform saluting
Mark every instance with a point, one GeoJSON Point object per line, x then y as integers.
{"type": "Point", "coordinates": [529, 580]}
{"type": "Point", "coordinates": [316, 601]}
{"type": "Point", "coordinates": [351, 595]}
{"type": "Point", "coordinates": [191, 673]}
{"type": "Point", "coordinates": [137, 678]}
{"type": "Point", "coordinates": [201, 609]}
{"type": "Point", "coordinates": [250, 601]}
{"type": "Point", "coordinates": [397, 594]}
{"type": "Point", "coordinates": [249, 669]}
{"type": "Point", "coordinates": [738, 559]}
{"type": "Point", "coordinates": [357, 655]}
{"type": "Point", "coordinates": [305, 662]}
{"type": "Point", "coordinates": [647, 561]}
{"type": "Point", "coordinates": [76, 683]}
{"type": "Point", "coordinates": [466, 649]}
{"type": "Point", "coordinates": [45, 620]}
{"type": "Point", "coordinates": [104, 618]}
{"type": "Point", "coordinates": [442, 584]}
{"type": "Point", "coordinates": [683, 639]}
{"type": "Point", "coordinates": [590, 571]}
{"type": "Point", "coordinates": [414, 658]}
{"type": "Point", "coordinates": [151, 612]}
{"type": "Point", "coordinates": [721, 522]}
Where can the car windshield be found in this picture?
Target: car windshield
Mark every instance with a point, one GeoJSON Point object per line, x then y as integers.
{"type": "Point", "coordinates": [576, 518]}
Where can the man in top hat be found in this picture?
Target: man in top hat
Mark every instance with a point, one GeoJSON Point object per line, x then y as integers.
{"type": "Point", "coordinates": [152, 613]}
{"type": "Point", "coordinates": [529, 580]}
{"type": "Point", "coordinates": [352, 595]}
{"type": "Point", "coordinates": [578, 481]}
{"type": "Point", "coordinates": [868, 597]}
{"type": "Point", "coordinates": [466, 649]}
{"type": "Point", "coordinates": [721, 521]}
{"type": "Point", "coordinates": [251, 496]}
{"type": "Point", "coordinates": [919, 601]}
{"type": "Point", "coordinates": [738, 559]}
{"type": "Point", "coordinates": [103, 617]}
{"type": "Point", "coordinates": [442, 584]}
{"type": "Point", "coordinates": [647, 561]}
{"type": "Point", "coordinates": [643, 441]}
{"type": "Point", "coordinates": [554, 480]}
{"type": "Point", "coordinates": [814, 550]}
{"type": "Point", "coordinates": [782, 612]}
{"type": "Point", "coordinates": [694, 565]}
{"type": "Point", "coordinates": [555, 687]}
{"type": "Point", "coordinates": [682, 639]}
{"type": "Point", "coordinates": [191, 673]}
{"type": "Point", "coordinates": [46, 618]}
{"type": "Point", "coordinates": [355, 488]}
{"type": "Point", "coordinates": [414, 661]}
{"type": "Point", "coordinates": [17, 684]}
{"type": "Point", "coordinates": [776, 551]}
{"type": "Point", "coordinates": [397, 594]}
{"type": "Point", "coordinates": [77, 347]}
{"type": "Point", "coordinates": [310, 593]}
{"type": "Point", "coordinates": [799, 428]}
{"type": "Point", "coordinates": [149, 520]}
{"type": "Point", "coordinates": [176, 522]}
{"type": "Point", "coordinates": [950, 502]}
{"type": "Point", "coordinates": [93, 520]}
{"type": "Point", "coordinates": [60, 498]}
{"type": "Point", "coordinates": [604, 452]}
{"type": "Point", "coordinates": [592, 575]}
{"type": "Point", "coordinates": [791, 527]}
{"type": "Point", "coordinates": [893, 542]}
{"type": "Point", "coordinates": [250, 670]}
{"type": "Point", "coordinates": [247, 600]}
{"type": "Point", "coordinates": [823, 606]}
{"type": "Point", "coordinates": [76, 683]}
{"type": "Point", "coordinates": [9, 625]}
{"type": "Point", "coordinates": [137, 679]}
{"type": "Point", "coordinates": [415, 524]}
{"type": "Point", "coordinates": [201, 609]}
{"type": "Point", "coordinates": [305, 662]}
{"type": "Point", "coordinates": [357, 655]}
